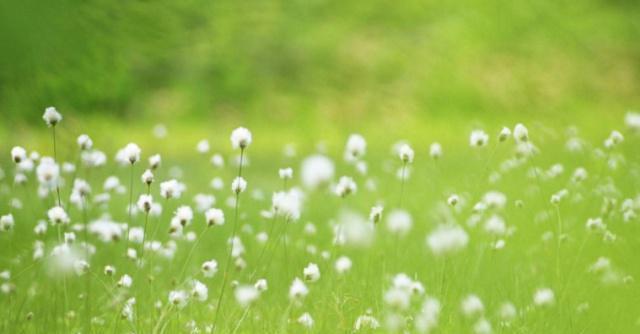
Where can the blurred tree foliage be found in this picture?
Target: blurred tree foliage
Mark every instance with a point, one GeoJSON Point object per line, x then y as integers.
{"type": "Point", "coordinates": [195, 57]}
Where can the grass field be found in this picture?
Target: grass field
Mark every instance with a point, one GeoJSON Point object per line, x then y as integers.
{"type": "Point", "coordinates": [537, 232]}
{"type": "Point", "coordinates": [530, 246]}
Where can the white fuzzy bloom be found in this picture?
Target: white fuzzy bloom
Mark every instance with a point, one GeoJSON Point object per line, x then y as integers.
{"type": "Point", "coordinates": [494, 199]}
{"type": "Point", "coordinates": [155, 161]}
{"type": "Point", "coordinates": [427, 319]}
{"type": "Point", "coordinates": [495, 225]}
{"type": "Point", "coordinates": [209, 268]}
{"type": "Point", "coordinates": [316, 171]}
{"type": "Point", "coordinates": [51, 116]}
{"type": "Point", "coordinates": [240, 138]}
{"type": "Point", "coordinates": [375, 215]}
{"type": "Point", "coordinates": [287, 204]}
{"type": "Point", "coordinates": [217, 161]}
{"type": "Point", "coordinates": [298, 289]}
{"type": "Point", "coordinates": [305, 320]}
{"type": "Point", "coordinates": [397, 298]}
{"type": "Point", "coordinates": [128, 309]}
{"type": "Point", "coordinates": [435, 151]}
{"type": "Point", "coordinates": [57, 216]}
{"type": "Point", "coordinates": [345, 186]}
{"type": "Point", "coordinates": [204, 202]}
{"type": "Point", "coordinates": [131, 153]}
{"type": "Point", "coordinates": [145, 203]}
{"type": "Point", "coordinates": [356, 147]}
{"type": "Point", "coordinates": [504, 134]}
{"type": "Point", "coordinates": [6, 222]}
{"type": "Point", "coordinates": [261, 285]}
{"type": "Point", "coordinates": [203, 146]}
{"type": "Point", "coordinates": [238, 185]}
{"type": "Point", "coordinates": [472, 306]}
{"type": "Point", "coordinates": [632, 120]}
{"type": "Point", "coordinates": [507, 311]}
{"type": "Point", "coordinates": [246, 294]}
{"type": "Point", "coordinates": [343, 264]}
{"type": "Point", "coordinates": [478, 138]}
{"type": "Point", "coordinates": [48, 171]}
{"type": "Point", "coordinates": [147, 177]}
{"type": "Point", "coordinates": [520, 133]}
{"type": "Point", "coordinates": [85, 142]}
{"type": "Point", "coordinates": [285, 173]}
{"type": "Point", "coordinates": [405, 152]}
{"type": "Point", "coordinates": [447, 239]}
{"type": "Point", "coordinates": [178, 298]}
{"type": "Point", "coordinates": [311, 272]}
{"type": "Point", "coordinates": [184, 215]}
{"type": "Point", "coordinates": [453, 200]}
{"type": "Point", "coordinates": [125, 281]}
{"type": "Point", "coordinates": [399, 222]}
{"type": "Point", "coordinates": [18, 154]}
{"type": "Point", "coordinates": [109, 270]}
{"type": "Point", "coordinates": [366, 321]}
{"type": "Point", "coordinates": [171, 189]}
{"type": "Point", "coordinates": [199, 291]}
{"type": "Point", "coordinates": [544, 297]}
{"type": "Point", "coordinates": [214, 216]}
{"type": "Point", "coordinates": [482, 326]}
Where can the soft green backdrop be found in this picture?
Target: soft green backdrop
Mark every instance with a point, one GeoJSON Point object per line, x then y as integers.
{"type": "Point", "coordinates": [316, 69]}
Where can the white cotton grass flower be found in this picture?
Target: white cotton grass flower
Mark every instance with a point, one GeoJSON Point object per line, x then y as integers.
{"type": "Point", "coordinates": [214, 217]}
{"type": "Point", "coordinates": [178, 298]}
{"type": "Point", "coordinates": [544, 297]}
{"type": "Point", "coordinates": [57, 215]}
{"type": "Point", "coordinates": [353, 229]}
{"type": "Point", "coordinates": [366, 321]}
{"type": "Point", "coordinates": [495, 225]}
{"type": "Point", "coordinates": [84, 142]}
{"type": "Point", "coordinates": [343, 264]}
{"type": "Point", "coordinates": [145, 203]}
{"type": "Point", "coordinates": [171, 189]}
{"type": "Point", "coordinates": [298, 289]}
{"type": "Point", "coordinates": [447, 239]}
{"type": "Point", "coordinates": [356, 148]}
{"type": "Point", "coordinates": [520, 133]}
{"type": "Point", "coordinates": [125, 281]}
{"type": "Point", "coordinates": [51, 116]}
{"type": "Point", "coordinates": [155, 161]}
{"type": "Point", "coordinates": [204, 202]}
{"type": "Point", "coordinates": [147, 177]}
{"type": "Point", "coordinates": [311, 272]}
{"type": "Point", "coordinates": [472, 306]}
{"type": "Point", "coordinates": [435, 151]}
{"type": "Point", "coordinates": [482, 326]}
{"type": "Point", "coordinates": [209, 268]}
{"type": "Point", "coordinates": [453, 200]}
{"type": "Point", "coordinates": [305, 320]}
{"type": "Point", "coordinates": [397, 298]}
{"type": "Point", "coordinates": [203, 146]}
{"type": "Point", "coordinates": [375, 215]}
{"type": "Point", "coordinates": [240, 138]}
{"type": "Point", "coordinates": [345, 187]}
{"type": "Point", "coordinates": [109, 270]}
{"type": "Point", "coordinates": [246, 294]}
{"type": "Point", "coordinates": [507, 312]}
{"type": "Point", "coordinates": [632, 120]}
{"type": "Point", "coordinates": [184, 214]}
{"type": "Point", "coordinates": [238, 185]}
{"type": "Point", "coordinates": [287, 204]}
{"type": "Point", "coordinates": [406, 154]}
{"type": "Point", "coordinates": [199, 291]}
{"type": "Point", "coordinates": [48, 172]}
{"type": "Point", "coordinates": [261, 285]}
{"type": "Point", "coordinates": [128, 309]}
{"type": "Point", "coordinates": [399, 222]}
{"type": "Point", "coordinates": [285, 173]}
{"type": "Point", "coordinates": [478, 138]}
{"type": "Point", "coordinates": [18, 154]}
{"type": "Point", "coordinates": [131, 153]}
{"type": "Point", "coordinates": [504, 134]}
{"type": "Point", "coordinates": [317, 170]}
{"type": "Point", "coordinates": [6, 222]}
{"type": "Point", "coordinates": [427, 320]}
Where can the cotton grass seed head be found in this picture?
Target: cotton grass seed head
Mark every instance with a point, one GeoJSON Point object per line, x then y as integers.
{"type": "Point", "coordinates": [51, 116]}
{"type": "Point", "coordinates": [214, 216]}
{"type": "Point", "coordinates": [84, 142]}
{"type": "Point", "coordinates": [478, 138]}
{"type": "Point", "coordinates": [405, 152]}
{"type": "Point", "coordinates": [246, 295]}
{"type": "Point", "coordinates": [240, 138]}
{"type": "Point", "coordinates": [238, 185]}
{"type": "Point", "coordinates": [18, 154]}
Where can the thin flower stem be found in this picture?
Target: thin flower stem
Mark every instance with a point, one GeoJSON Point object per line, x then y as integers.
{"type": "Point", "coordinates": [233, 236]}
{"type": "Point", "coordinates": [88, 277]}
{"type": "Point", "coordinates": [403, 176]}
{"type": "Point", "coordinates": [55, 158]}
{"type": "Point", "coordinates": [126, 242]}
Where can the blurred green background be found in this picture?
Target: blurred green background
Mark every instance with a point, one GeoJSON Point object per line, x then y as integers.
{"type": "Point", "coordinates": [315, 69]}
